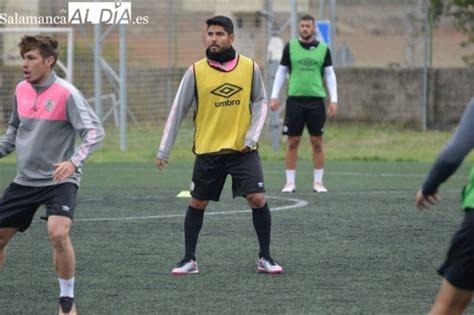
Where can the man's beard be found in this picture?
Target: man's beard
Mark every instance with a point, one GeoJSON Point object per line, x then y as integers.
{"type": "Point", "coordinates": [216, 49]}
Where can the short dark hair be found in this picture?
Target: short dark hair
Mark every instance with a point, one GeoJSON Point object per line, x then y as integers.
{"type": "Point", "coordinates": [47, 45]}
{"type": "Point", "coordinates": [307, 17]}
{"type": "Point", "coordinates": [223, 21]}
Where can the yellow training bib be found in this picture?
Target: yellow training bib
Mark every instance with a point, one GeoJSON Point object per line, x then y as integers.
{"type": "Point", "coordinates": [223, 111]}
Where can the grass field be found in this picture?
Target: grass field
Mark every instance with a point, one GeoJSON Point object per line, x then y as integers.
{"type": "Point", "coordinates": [362, 248]}
{"type": "Point", "coordinates": [343, 142]}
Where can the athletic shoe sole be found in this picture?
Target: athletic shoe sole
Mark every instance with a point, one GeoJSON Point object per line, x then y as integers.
{"type": "Point", "coordinates": [276, 272]}
{"type": "Point", "coordinates": [72, 312]}
{"type": "Point", "coordinates": [181, 273]}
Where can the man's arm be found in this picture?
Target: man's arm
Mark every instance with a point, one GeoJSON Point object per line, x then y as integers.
{"type": "Point", "coordinates": [7, 142]}
{"type": "Point", "coordinates": [280, 77]}
{"type": "Point", "coordinates": [86, 124]}
{"type": "Point", "coordinates": [259, 109]}
{"type": "Point", "coordinates": [449, 159]}
{"type": "Point", "coordinates": [331, 83]}
{"type": "Point", "coordinates": [185, 97]}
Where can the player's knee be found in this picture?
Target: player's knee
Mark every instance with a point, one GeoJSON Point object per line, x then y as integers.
{"type": "Point", "coordinates": [293, 144]}
{"type": "Point", "coordinates": [447, 308]}
{"type": "Point", "coordinates": [457, 306]}
{"type": "Point", "coordinates": [256, 200]}
{"type": "Point", "coordinates": [317, 147]}
{"type": "Point", "coordinates": [4, 239]}
{"type": "Point", "coordinates": [59, 237]}
{"type": "Point", "coordinates": [3, 242]}
{"type": "Point", "coordinates": [198, 204]}
{"type": "Point", "coordinates": [451, 303]}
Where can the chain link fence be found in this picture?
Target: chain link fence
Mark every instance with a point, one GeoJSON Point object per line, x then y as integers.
{"type": "Point", "coordinates": [170, 37]}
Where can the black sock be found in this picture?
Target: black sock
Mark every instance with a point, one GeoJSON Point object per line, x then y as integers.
{"type": "Point", "coordinates": [262, 221]}
{"type": "Point", "coordinates": [192, 226]}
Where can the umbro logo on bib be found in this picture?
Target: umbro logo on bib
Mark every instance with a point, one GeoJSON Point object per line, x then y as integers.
{"type": "Point", "coordinates": [308, 62]}
{"type": "Point", "coordinates": [226, 90]}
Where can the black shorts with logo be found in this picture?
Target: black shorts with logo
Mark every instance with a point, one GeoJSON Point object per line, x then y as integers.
{"type": "Point", "coordinates": [19, 203]}
{"type": "Point", "coordinates": [458, 268]}
{"type": "Point", "coordinates": [301, 111]}
{"type": "Point", "coordinates": [211, 170]}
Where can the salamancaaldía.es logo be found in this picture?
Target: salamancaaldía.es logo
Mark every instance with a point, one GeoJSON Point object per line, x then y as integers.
{"type": "Point", "coordinates": [116, 12]}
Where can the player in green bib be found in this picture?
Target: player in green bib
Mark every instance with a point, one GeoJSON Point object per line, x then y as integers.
{"type": "Point", "coordinates": [458, 269]}
{"type": "Point", "coordinates": [307, 61]}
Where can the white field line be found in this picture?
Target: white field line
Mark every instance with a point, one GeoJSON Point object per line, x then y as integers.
{"type": "Point", "coordinates": [297, 203]}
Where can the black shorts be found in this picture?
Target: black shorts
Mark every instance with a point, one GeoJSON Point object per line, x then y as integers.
{"type": "Point", "coordinates": [210, 173]}
{"type": "Point", "coordinates": [301, 111]}
{"type": "Point", "coordinates": [458, 268]}
{"type": "Point", "coordinates": [19, 203]}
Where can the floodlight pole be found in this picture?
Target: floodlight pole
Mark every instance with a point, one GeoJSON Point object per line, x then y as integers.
{"type": "Point", "coordinates": [294, 19]}
{"type": "Point", "coordinates": [321, 9]}
{"type": "Point", "coordinates": [424, 97]}
{"type": "Point", "coordinates": [70, 56]}
{"type": "Point", "coordinates": [171, 53]}
{"type": "Point", "coordinates": [98, 70]}
{"type": "Point", "coordinates": [332, 17]}
{"type": "Point", "coordinates": [123, 86]}
{"type": "Point", "coordinates": [270, 74]}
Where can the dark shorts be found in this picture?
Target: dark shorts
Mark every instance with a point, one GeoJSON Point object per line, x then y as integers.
{"type": "Point", "coordinates": [19, 203]}
{"type": "Point", "coordinates": [210, 173]}
{"type": "Point", "coordinates": [458, 268]}
{"type": "Point", "coordinates": [301, 111]}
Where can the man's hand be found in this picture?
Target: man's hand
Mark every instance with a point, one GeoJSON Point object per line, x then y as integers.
{"type": "Point", "coordinates": [274, 104]}
{"type": "Point", "coordinates": [423, 202]}
{"type": "Point", "coordinates": [246, 149]}
{"type": "Point", "coordinates": [161, 164]}
{"type": "Point", "coordinates": [63, 170]}
{"type": "Point", "coordinates": [332, 109]}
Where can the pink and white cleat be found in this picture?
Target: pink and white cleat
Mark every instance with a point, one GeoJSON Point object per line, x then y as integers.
{"type": "Point", "coordinates": [185, 267]}
{"type": "Point", "coordinates": [267, 265]}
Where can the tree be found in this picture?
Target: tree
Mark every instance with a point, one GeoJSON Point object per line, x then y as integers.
{"type": "Point", "coordinates": [462, 13]}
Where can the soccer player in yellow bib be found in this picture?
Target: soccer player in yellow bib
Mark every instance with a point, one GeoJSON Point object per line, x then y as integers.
{"type": "Point", "coordinates": [230, 109]}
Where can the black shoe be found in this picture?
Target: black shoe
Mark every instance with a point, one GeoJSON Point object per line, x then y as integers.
{"type": "Point", "coordinates": [66, 303]}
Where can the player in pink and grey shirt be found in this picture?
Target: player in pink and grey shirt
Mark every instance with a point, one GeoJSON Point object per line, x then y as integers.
{"type": "Point", "coordinates": [48, 113]}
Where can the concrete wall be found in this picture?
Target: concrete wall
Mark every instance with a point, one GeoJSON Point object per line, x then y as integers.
{"type": "Point", "coordinates": [365, 94]}
{"type": "Point", "coordinates": [394, 95]}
